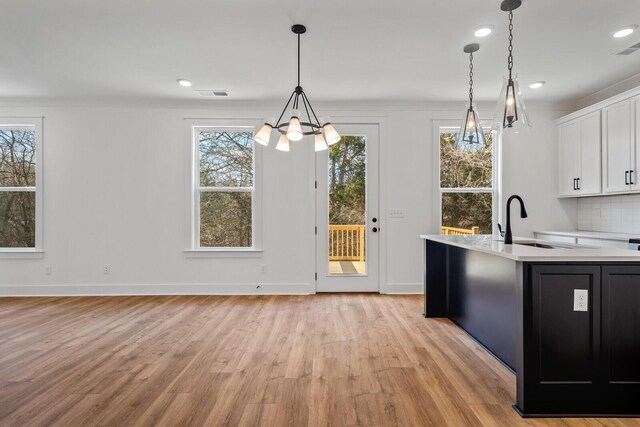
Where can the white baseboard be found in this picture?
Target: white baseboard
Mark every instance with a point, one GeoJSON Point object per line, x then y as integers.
{"type": "Point", "coordinates": [161, 289]}
{"type": "Point", "coordinates": [403, 288]}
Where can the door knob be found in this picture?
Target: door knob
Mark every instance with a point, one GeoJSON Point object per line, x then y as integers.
{"type": "Point", "coordinates": [374, 229]}
{"type": "Point", "coordinates": [375, 220]}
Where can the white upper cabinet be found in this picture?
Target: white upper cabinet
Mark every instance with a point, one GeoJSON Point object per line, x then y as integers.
{"type": "Point", "coordinates": [568, 154]}
{"type": "Point", "coordinates": [617, 139]}
{"type": "Point", "coordinates": [579, 149]}
{"type": "Point", "coordinates": [635, 146]}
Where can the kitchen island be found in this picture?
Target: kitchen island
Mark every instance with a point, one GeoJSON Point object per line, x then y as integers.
{"type": "Point", "coordinates": [573, 353]}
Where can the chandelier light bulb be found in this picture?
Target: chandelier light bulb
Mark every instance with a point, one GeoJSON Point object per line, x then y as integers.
{"type": "Point", "coordinates": [264, 134]}
{"type": "Point", "coordinates": [294, 130]}
{"type": "Point", "coordinates": [283, 143]}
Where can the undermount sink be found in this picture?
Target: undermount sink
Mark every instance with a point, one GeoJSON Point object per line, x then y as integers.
{"type": "Point", "coordinates": [542, 245]}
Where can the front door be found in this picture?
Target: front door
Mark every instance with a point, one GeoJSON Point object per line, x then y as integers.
{"type": "Point", "coordinates": [347, 212]}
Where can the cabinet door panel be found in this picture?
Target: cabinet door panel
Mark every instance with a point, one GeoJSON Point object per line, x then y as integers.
{"type": "Point", "coordinates": [568, 151]}
{"type": "Point", "coordinates": [621, 324]}
{"type": "Point", "coordinates": [590, 153]}
{"type": "Point", "coordinates": [566, 352]}
{"type": "Point", "coordinates": [635, 146]}
{"type": "Point", "coordinates": [616, 121]}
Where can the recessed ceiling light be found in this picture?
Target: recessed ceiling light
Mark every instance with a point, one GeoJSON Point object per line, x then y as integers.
{"type": "Point", "coordinates": [537, 85]}
{"type": "Point", "coordinates": [483, 31]}
{"type": "Point", "coordinates": [624, 31]}
{"type": "Point", "coordinates": [184, 82]}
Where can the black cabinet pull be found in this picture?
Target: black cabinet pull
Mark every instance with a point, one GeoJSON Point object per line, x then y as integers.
{"type": "Point", "coordinates": [575, 186]}
{"type": "Point", "coordinates": [631, 177]}
{"type": "Point", "coordinates": [578, 183]}
{"type": "Point", "coordinates": [374, 229]}
{"type": "Point", "coordinates": [375, 220]}
{"type": "Point", "coordinates": [626, 177]}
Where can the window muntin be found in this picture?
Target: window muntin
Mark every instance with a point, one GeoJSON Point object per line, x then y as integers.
{"type": "Point", "coordinates": [225, 188]}
{"type": "Point", "coordinates": [18, 185]}
{"type": "Point", "coordinates": [467, 189]}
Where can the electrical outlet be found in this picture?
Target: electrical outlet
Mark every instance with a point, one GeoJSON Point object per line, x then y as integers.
{"type": "Point", "coordinates": [107, 269]}
{"type": "Point", "coordinates": [580, 300]}
{"type": "Point", "coordinates": [47, 270]}
{"type": "Point", "coordinates": [263, 268]}
{"type": "Point", "coordinates": [395, 213]}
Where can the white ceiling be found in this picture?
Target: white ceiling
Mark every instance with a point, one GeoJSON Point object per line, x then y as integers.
{"type": "Point", "coordinates": [353, 50]}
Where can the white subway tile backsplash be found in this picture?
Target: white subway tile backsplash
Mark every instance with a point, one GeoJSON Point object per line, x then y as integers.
{"type": "Point", "coordinates": [613, 214]}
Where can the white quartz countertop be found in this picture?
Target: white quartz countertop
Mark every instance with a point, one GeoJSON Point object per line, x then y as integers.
{"type": "Point", "coordinates": [593, 235]}
{"type": "Point", "coordinates": [565, 252]}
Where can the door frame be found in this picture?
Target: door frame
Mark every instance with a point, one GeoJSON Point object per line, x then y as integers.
{"type": "Point", "coordinates": [380, 122]}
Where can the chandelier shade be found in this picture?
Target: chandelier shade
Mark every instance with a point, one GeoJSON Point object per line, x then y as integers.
{"type": "Point", "coordinates": [302, 118]}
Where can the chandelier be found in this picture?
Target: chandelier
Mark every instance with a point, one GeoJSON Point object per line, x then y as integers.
{"type": "Point", "coordinates": [302, 118]}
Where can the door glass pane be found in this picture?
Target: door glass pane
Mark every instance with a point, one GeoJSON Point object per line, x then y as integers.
{"type": "Point", "coordinates": [466, 213]}
{"type": "Point", "coordinates": [17, 219]}
{"type": "Point", "coordinates": [225, 219]}
{"type": "Point", "coordinates": [347, 206]}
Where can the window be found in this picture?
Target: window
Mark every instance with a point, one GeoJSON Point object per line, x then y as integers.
{"type": "Point", "coordinates": [224, 194]}
{"type": "Point", "coordinates": [20, 184]}
{"type": "Point", "coordinates": [467, 185]}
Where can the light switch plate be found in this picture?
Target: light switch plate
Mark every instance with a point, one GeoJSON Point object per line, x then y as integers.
{"type": "Point", "coordinates": [395, 213]}
{"type": "Point", "coordinates": [580, 300]}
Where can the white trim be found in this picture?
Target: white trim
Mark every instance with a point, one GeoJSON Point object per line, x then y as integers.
{"type": "Point", "coordinates": [192, 222]}
{"type": "Point", "coordinates": [223, 253]}
{"type": "Point", "coordinates": [21, 253]}
{"type": "Point", "coordinates": [403, 289]}
{"type": "Point", "coordinates": [36, 124]}
{"type": "Point", "coordinates": [158, 289]}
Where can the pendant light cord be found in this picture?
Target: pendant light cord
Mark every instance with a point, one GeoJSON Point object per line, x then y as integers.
{"type": "Point", "coordinates": [510, 58]}
{"type": "Point", "coordinates": [298, 59]}
{"type": "Point", "coordinates": [470, 79]}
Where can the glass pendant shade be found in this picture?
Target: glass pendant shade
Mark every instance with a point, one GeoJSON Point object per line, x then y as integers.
{"type": "Point", "coordinates": [283, 143]}
{"type": "Point", "coordinates": [471, 130]}
{"type": "Point", "coordinates": [511, 114]}
{"type": "Point", "coordinates": [264, 134]}
{"type": "Point", "coordinates": [320, 143]}
{"type": "Point", "coordinates": [294, 130]}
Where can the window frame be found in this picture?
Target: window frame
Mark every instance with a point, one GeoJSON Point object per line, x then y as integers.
{"type": "Point", "coordinates": [444, 126]}
{"type": "Point", "coordinates": [35, 124]}
{"type": "Point", "coordinates": [194, 126]}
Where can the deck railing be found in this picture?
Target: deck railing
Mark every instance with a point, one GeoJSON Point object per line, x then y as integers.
{"type": "Point", "coordinates": [346, 243]}
{"type": "Point", "coordinates": [453, 230]}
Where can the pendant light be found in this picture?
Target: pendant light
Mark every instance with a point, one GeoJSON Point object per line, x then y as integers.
{"type": "Point", "coordinates": [302, 118]}
{"type": "Point", "coordinates": [511, 114]}
{"type": "Point", "coordinates": [471, 135]}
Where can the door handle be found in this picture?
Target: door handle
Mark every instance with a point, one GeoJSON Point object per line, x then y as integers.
{"type": "Point", "coordinates": [374, 219]}
{"type": "Point", "coordinates": [631, 177]}
{"type": "Point", "coordinates": [626, 177]}
{"type": "Point", "coordinates": [578, 183]}
{"type": "Point", "coordinates": [374, 229]}
{"type": "Point", "coordinates": [574, 184]}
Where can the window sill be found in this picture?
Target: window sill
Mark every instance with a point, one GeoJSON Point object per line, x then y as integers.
{"type": "Point", "coordinates": [223, 253]}
{"type": "Point", "coordinates": [18, 253]}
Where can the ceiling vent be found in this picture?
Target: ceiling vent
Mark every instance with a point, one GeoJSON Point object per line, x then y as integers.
{"type": "Point", "coordinates": [211, 93]}
{"type": "Point", "coordinates": [630, 50]}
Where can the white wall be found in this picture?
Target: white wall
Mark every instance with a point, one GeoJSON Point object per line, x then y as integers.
{"type": "Point", "coordinates": [114, 193]}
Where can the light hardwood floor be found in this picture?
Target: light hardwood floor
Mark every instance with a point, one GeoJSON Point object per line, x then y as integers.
{"type": "Point", "coordinates": [337, 359]}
